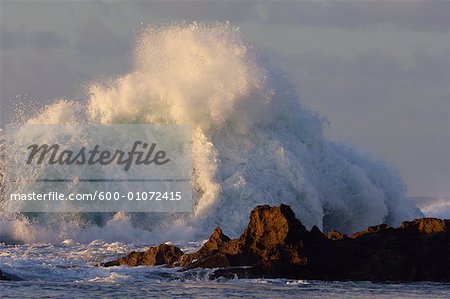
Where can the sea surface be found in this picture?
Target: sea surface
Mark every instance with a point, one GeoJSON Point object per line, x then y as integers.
{"type": "Point", "coordinates": [68, 270]}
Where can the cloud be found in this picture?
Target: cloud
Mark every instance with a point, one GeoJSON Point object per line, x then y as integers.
{"type": "Point", "coordinates": [42, 76]}
{"type": "Point", "coordinates": [199, 10]}
{"type": "Point", "coordinates": [36, 39]}
{"type": "Point", "coordinates": [413, 15]}
{"type": "Point", "coordinates": [99, 40]}
{"type": "Point", "coordinates": [416, 15]}
{"type": "Point", "coordinates": [47, 39]}
{"type": "Point", "coordinates": [8, 40]}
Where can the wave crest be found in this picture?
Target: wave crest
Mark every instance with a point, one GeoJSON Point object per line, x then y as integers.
{"type": "Point", "coordinates": [254, 142]}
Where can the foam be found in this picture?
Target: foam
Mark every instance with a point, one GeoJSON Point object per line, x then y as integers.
{"type": "Point", "coordinates": [254, 142]}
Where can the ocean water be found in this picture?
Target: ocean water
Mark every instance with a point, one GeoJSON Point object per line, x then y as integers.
{"type": "Point", "coordinates": [44, 266]}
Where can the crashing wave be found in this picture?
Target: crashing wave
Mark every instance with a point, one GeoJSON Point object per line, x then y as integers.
{"type": "Point", "coordinates": [254, 141]}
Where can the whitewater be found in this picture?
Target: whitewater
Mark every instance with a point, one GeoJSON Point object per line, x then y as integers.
{"type": "Point", "coordinates": [254, 142]}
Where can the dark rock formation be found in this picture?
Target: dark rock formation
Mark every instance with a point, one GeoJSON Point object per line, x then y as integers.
{"type": "Point", "coordinates": [7, 276]}
{"type": "Point", "coordinates": [157, 255]}
{"type": "Point", "coordinates": [427, 225]}
{"type": "Point", "coordinates": [335, 235]}
{"type": "Point", "coordinates": [272, 243]}
{"type": "Point", "coordinates": [215, 241]}
{"type": "Point", "coordinates": [275, 244]}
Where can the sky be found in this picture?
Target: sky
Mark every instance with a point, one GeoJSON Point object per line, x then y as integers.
{"type": "Point", "coordinates": [379, 71]}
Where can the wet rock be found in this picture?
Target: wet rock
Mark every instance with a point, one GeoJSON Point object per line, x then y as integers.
{"type": "Point", "coordinates": [162, 254]}
{"type": "Point", "coordinates": [276, 245]}
{"type": "Point", "coordinates": [215, 241]}
{"type": "Point", "coordinates": [425, 225]}
{"type": "Point", "coordinates": [273, 239]}
{"type": "Point", "coordinates": [8, 276]}
{"type": "Point", "coordinates": [335, 235]}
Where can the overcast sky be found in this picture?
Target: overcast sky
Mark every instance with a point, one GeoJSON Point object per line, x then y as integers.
{"type": "Point", "coordinates": [379, 71]}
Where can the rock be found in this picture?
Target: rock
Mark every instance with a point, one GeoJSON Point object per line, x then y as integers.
{"type": "Point", "coordinates": [214, 242]}
{"type": "Point", "coordinates": [162, 254]}
{"type": "Point", "coordinates": [371, 230]}
{"type": "Point", "coordinates": [425, 225]}
{"type": "Point", "coordinates": [276, 245]}
{"type": "Point", "coordinates": [335, 235]}
{"type": "Point", "coordinates": [272, 226]}
{"type": "Point", "coordinates": [316, 233]}
{"type": "Point", "coordinates": [273, 239]}
{"type": "Point", "coordinates": [7, 276]}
